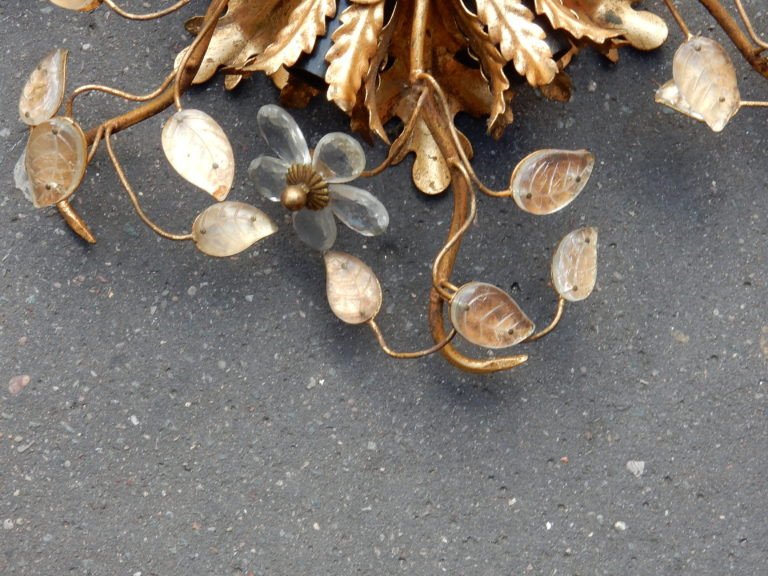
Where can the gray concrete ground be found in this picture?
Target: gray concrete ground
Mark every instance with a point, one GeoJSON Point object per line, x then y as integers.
{"type": "Point", "coordinates": [187, 415]}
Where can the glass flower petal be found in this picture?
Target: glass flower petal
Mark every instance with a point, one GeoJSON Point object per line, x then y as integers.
{"type": "Point", "coordinates": [359, 209]}
{"type": "Point", "coordinates": [268, 173]}
{"type": "Point", "coordinates": [79, 5]}
{"type": "Point", "coordinates": [574, 264]}
{"type": "Point", "coordinates": [489, 317]}
{"type": "Point", "coordinates": [227, 228]}
{"type": "Point", "coordinates": [547, 180]}
{"type": "Point", "coordinates": [707, 81]}
{"type": "Point", "coordinates": [282, 134]}
{"type": "Point", "coordinates": [56, 158]}
{"type": "Point", "coordinates": [316, 228]}
{"type": "Point", "coordinates": [199, 150]}
{"type": "Point", "coordinates": [338, 158]}
{"type": "Point", "coordinates": [44, 90]}
{"type": "Point", "coordinates": [353, 291]}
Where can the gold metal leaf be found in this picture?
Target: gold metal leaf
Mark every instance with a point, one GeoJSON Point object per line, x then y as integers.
{"type": "Point", "coordinates": [199, 150]}
{"type": "Point", "coordinates": [44, 90]}
{"type": "Point", "coordinates": [521, 41]}
{"type": "Point", "coordinates": [353, 291]}
{"type": "Point", "coordinates": [56, 158]}
{"type": "Point", "coordinates": [354, 43]}
{"type": "Point", "coordinates": [706, 80]}
{"type": "Point", "coordinates": [79, 5]}
{"type": "Point", "coordinates": [574, 264]}
{"type": "Point", "coordinates": [487, 316]}
{"type": "Point", "coordinates": [228, 228]}
{"type": "Point", "coordinates": [548, 180]}
{"type": "Point", "coordinates": [565, 14]}
{"type": "Point", "coordinates": [306, 23]}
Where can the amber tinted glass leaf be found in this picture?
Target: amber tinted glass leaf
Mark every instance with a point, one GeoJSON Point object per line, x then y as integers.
{"type": "Point", "coordinates": [669, 95]}
{"type": "Point", "coordinates": [548, 180]}
{"type": "Point", "coordinates": [228, 228]}
{"type": "Point", "coordinates": [200, 151]}
{"type": "Point", "coordinates": [79, 5]}
{"type": "Point", "coordinates": [354, 292]}
{"type": "Point", "coordinates": [56, 158]}
{"type": "Point", "coordinates": [44, 90]}
{"type": "Point", "coordinates": [706, 79]}
{"type": "Point", "coordinates": [574, 265]}
{"type": "Point", "coordinates": [489, 317]}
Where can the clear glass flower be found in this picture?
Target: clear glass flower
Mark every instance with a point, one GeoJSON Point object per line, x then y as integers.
{"type": "Point", "coordinates": [314, 186]}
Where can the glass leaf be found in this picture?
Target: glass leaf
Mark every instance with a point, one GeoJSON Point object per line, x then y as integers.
{"type": "Point", "coordinates": [338, 158]}
{"type": "Point", "coordinates": [706, 79]}
{"type": "Point", "coordinates": [487, 316]}
{"type": "Point", "coordinates": [198, 149]}
{"type": "Point", "coordinates": [268, 174]}
{"type": "Point", "coordinates": [44, 90]}
{"type": "Point", "coordinates": [282, 134]}
{"type": "Point", "coordinates": [227, 228]}
{"type": "Point", "coordinates": [354, 292]}
{"type": "Point", "coordinates": [574, 264]}
{"type": "Point", "coordinates": [79, 5]}
{"type": "Point", "coordinates": [547, 180]}
{"type": "Point", "coordinates": [20, 178]}
{"type": "Point", "coordinates": [316, 228]}
{"type": "Point", "coordinates": [359, 209]}
{"type": "Point", "coordinates": [669, 95]}
{"type": "Point", "coordinates": [56, 158]}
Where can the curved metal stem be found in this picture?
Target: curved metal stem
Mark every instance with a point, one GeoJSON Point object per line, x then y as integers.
{"type": "Point", "coordinates": [115, 92]}
{"type": "Point", "coordinates": [408, 355]}
{"type": "Point", "coordinates": [147, 16]}
{"type": "Point", "coordinates": [553, 324]}
{"type": "Point", "coordinates": [678, 18]}
{"type": "Point", "coordinates": [748, 25]}
{"type": "Point", "coordinates": [134, 198]}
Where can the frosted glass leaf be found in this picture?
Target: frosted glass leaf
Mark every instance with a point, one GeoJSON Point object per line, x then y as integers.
{"type": "Point", "coordinates": [282, 134]}
{"type": "Point", "coordinates": [79, 5]}
{"type": "Point", "coordinates": [706, 79]}
{"type": "Point", "coordinates": [489, 317]}
{"type": "Point", "coordinates": [199, 151]}
{"type": "Point", "coordinates": [359, 209]}
{"type": "Point", "coordinates": [56, 158]}
{"type": "Point", "coordinates": [316, 228]}
{"type": "Point", "coordinates": [574, 265]}
{"type": "Point", "coordinates": [44, 90]}
{"type": "Point", "coordinates": [353, 291]}
{"type": "Point", "coordinates": [338, 158]}
{"type": "Point", "coordinates": [268, 173]}
{"type": "Point", "coordinates": [20, 178]}
{"type": "Point", "coordinates": [547, 180]}
{"type": "Point", "coordinates": [228, 228]}
{"type": "Point", "coordinates": [669, 95]}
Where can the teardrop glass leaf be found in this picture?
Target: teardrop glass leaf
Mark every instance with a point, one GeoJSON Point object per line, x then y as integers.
{"type": "Point", "coordinates": [20, 178]}
{"type": "Point", "coordinates": [547, 180]}
{"type": "Point", "coordinates": [359, 209]}
{"type": "Point", "coordinates": [706, 79]}
{"type": "Point", "coordinates": [354, 292]}
{"type": "Point", "coordinates": [338, 158]}
{"type": "Point", "coordinates": [56, 157]}
{"type": "Point", "coordinates": [669, 95]}
{"type": "Point", "coordinates": [487, 316]}
{"type": "Point", "coordinates": [574, 264]}
{"type": "Point", "coordinates": [79, 5]}
{"type": "Point", "coordinates": [199, 150]}
{"type": "Point", "coordinates": [44, 90]}
{"type": "Point", "coordinates": [227, 228]}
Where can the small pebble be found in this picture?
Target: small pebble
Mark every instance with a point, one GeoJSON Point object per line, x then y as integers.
{"type": "Point", "coordinates": [636, 467]}
{"type": "Point", "coordinates": [620, 526]}
{"type": "Point", "coordinates": [18, 383]}
{"type": "Point", "coordinates": [192, 290]}
{"type": "Point", "coordinates": [8, 524]}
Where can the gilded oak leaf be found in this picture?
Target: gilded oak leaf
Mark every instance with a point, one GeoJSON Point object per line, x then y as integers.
{"type": "Point", "coordinates": [521, 41]}
{"type": "Point", "coordinates": [562, 14]}
{"type": "Point", "coordinates": [354, 44]}
{"type": "Point", "coordinates": [306, 23]}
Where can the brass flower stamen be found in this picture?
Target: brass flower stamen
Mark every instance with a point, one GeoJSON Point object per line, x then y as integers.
{"type": "Point", "coordinates": [305, 189]}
